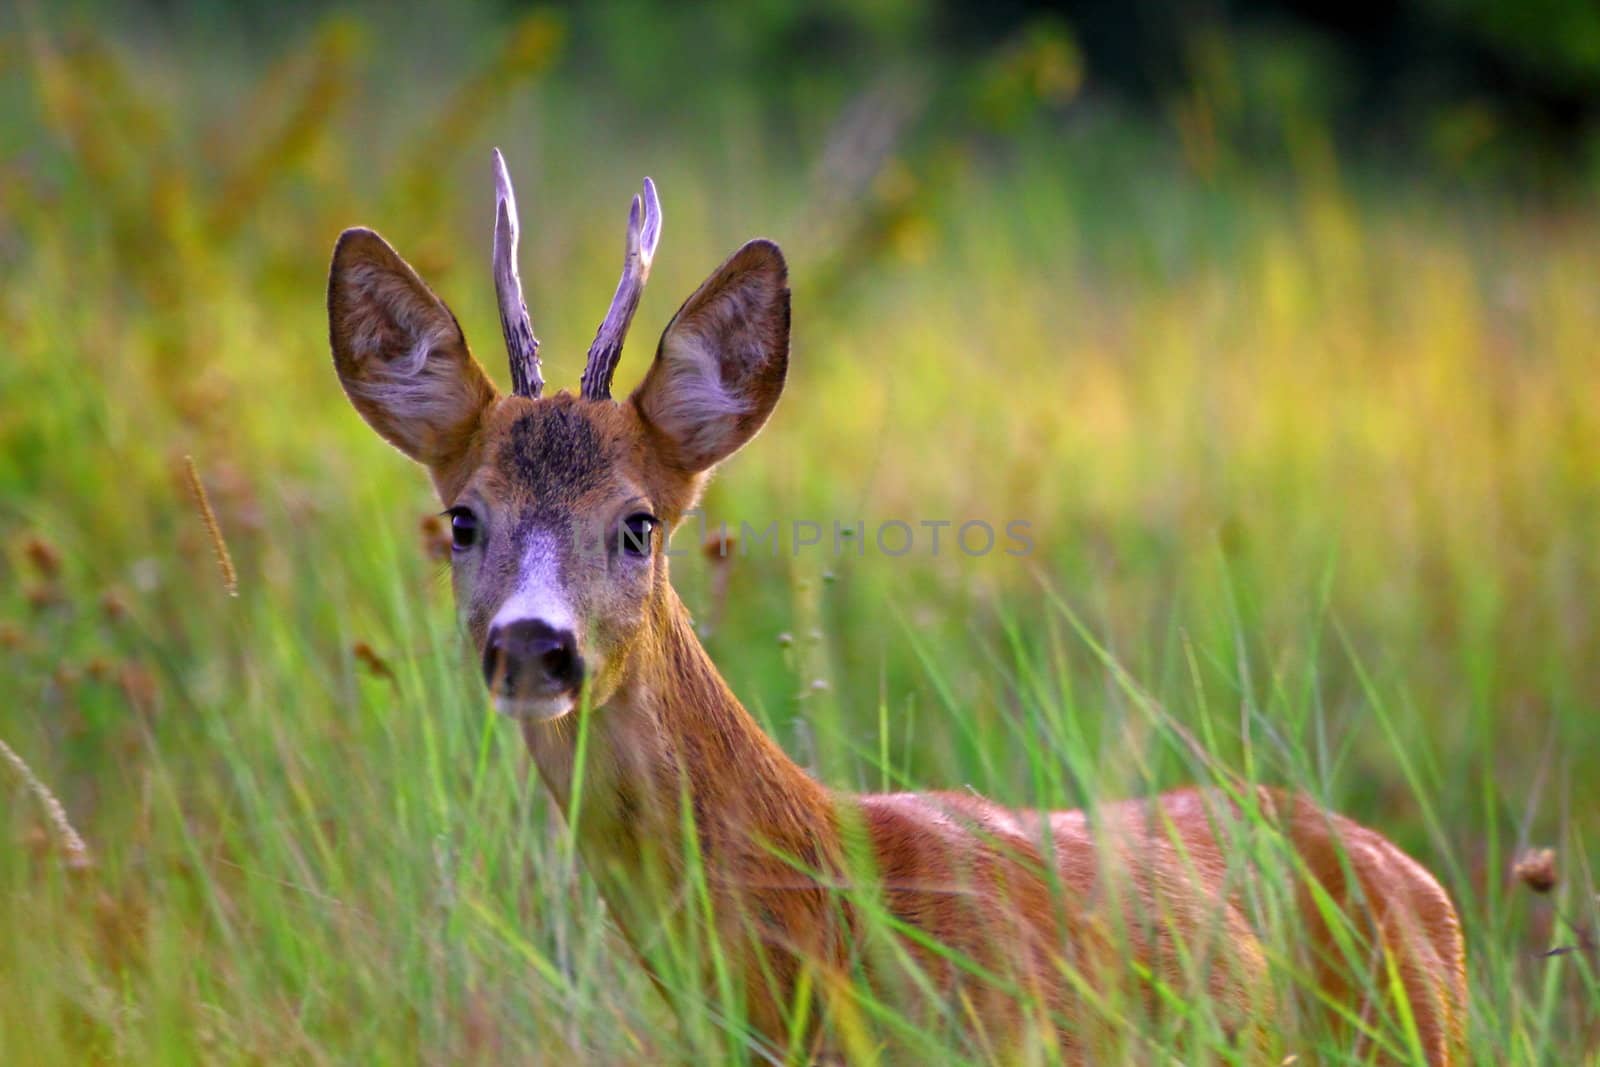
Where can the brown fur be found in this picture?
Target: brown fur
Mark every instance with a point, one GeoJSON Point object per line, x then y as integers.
{"type": "Point", "coordinates": [400, 355]}
{"type": "Point", "coordinates": [1140, 896]}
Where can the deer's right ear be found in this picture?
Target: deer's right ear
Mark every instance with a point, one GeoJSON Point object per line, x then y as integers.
{"type": "Point", "coordinates": [400, 354]}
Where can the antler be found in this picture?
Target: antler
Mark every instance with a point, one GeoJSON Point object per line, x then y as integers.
{"type": "Point", "coordinates": [644, 233]}
{"type": "Point", "coordinates": [521, 345]}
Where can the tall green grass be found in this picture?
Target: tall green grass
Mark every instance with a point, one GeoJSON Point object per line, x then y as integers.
{"type": "Point", "coordinates": [1311, 458]}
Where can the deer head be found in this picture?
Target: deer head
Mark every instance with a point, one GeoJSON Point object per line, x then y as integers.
{"type": "Point", "coordinates": [560, 505]}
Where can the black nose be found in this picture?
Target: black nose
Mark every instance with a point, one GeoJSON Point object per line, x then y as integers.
{"type": "Point", "coordinates": [529, 657]}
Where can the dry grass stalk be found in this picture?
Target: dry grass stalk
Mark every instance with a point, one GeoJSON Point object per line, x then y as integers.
{"type": "Point", "coordinates": [435, 538]}
{"type": "Point", "coordinates": [45, 557]}
{"type": "Point", "coordinates": [1536, 869]}
{"type": "Point", "coordinates": [230, 578]}
{"type": "Point", "coordinates": [309, 89]}
{"type": "Point", "coordinates": [77, 851]}
{"type": "Point", "coordinates": [718, 547]}
{"type": "Point", "coordinates": [374, 663]}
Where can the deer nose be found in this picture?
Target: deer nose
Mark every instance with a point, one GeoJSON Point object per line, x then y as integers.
{"type": "Point", "coordinates": [530, 657]}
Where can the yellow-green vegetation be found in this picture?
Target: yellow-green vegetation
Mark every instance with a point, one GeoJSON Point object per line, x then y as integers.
{"type": "Point", "coordinates": [1311, 458]}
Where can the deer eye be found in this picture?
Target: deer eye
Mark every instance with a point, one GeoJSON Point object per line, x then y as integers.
{"type": "Point", "coordinates": [463, 529]}
{"type": "Point", "coordinates": [635, 535]}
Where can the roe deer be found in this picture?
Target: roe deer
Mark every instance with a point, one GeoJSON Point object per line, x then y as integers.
{"type": "Point", "coordinates": [1036, 926]}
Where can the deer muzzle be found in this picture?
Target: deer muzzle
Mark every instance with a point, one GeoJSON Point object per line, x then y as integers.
{"type": "Point", "coordinates": [533, 670]}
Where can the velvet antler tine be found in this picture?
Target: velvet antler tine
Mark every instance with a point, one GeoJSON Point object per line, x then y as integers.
{"type": "Point", "coordinates": [521, 345]}
{"type": "Point", "coordinates": [644, 233]}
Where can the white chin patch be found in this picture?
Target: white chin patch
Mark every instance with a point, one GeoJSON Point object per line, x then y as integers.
{"type": "Point", "coordinates": [534, 709]}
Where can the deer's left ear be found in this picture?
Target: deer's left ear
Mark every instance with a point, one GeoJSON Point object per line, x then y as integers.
{"type": "Point", "coordinates": [722, 360]}
{"type": "Point", "coordinates": [400, 355]}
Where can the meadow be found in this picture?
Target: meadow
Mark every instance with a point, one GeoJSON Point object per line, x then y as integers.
{"type": "Point", "coordinates": [1309, 454]}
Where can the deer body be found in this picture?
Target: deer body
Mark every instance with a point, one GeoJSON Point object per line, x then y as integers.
{"type": "Point", "coordinates": [1043, 918]}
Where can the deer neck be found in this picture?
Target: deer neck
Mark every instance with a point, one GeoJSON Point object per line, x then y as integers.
{"type": "Point", "coordinates": [673, 734]}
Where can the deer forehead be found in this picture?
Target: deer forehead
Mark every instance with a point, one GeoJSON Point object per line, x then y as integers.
{"type": "Point", "coordinates": [558, 457]}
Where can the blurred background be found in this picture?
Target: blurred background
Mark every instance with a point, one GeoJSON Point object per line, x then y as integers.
{"type": "Point", "coordinates": [1276, 320]}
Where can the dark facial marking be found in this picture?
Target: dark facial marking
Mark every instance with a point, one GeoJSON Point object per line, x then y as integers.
{"type": "Point", "coordinates": [556, 454]}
